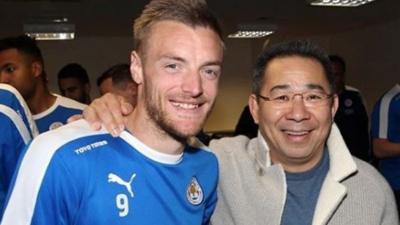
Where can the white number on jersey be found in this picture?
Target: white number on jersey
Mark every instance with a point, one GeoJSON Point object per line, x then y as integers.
{"type": "Point", "coordinates": [122, 204]}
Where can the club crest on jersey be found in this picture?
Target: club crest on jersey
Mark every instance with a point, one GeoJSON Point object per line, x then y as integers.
{"type": "Point", "coordinates": [194, 193]}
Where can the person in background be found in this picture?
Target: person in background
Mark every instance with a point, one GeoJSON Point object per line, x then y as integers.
{"type": "Point", "coordinates": [17, 130]}
{"type": "Point", "coordinates": [385, 133]}
{"type": "Point", "coordinates": [121, 82]}
{"type": "Point", "coordinates": [246, 125]}
{"type": "Point", "coordinates": [299, 169]}
{"type": "Point", "coordinates": [351, 116]}
{"type": "Point", "coordinates": [73, 82]}
{"type": "Point", "coordinates": [152, 174]}
{"type": "Point", "coordinates": [22, 66]}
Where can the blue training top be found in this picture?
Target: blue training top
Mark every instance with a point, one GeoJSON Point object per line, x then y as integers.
{"type": "Point", "coordinates": [58, 114]}
{"type": "Point", "coordinates": [74, 175]}
{"type": "Point", "coordinates": [17, 129]}
{"type": "Point", "coordinates": [385, 124]}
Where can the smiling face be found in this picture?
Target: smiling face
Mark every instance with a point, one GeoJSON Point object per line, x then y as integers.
{"type": "Point", "coordinates": [296, 135]}
{"type": "Point", "coordinates": [178, 77]}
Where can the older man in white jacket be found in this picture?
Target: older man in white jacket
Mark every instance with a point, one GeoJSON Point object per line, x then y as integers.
{"type": "Point", "coordinates": [298, 170]}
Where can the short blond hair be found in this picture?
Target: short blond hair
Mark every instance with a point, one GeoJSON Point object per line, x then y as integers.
{"type": "Point", "coordinates": [189, 12]}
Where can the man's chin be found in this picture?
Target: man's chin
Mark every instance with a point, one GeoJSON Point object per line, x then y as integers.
{"type": "Point", "coordinates": [181, 129]}
{"type": "Point", "coordinates": [188, 133]}
{"type": "Point", "coordinates": [184, 133]}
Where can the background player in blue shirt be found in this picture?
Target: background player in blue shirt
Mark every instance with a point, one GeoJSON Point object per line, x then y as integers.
{"type": "Point", "coordinates": [385, 130]}
{"type": "Point", "coordinates": [17, 129]}
{"type": "Point", "coordinates": [58, 114]}
{"type": "Point", "coordinates": [151, 174]}
{"type": "Point", "coordinates": [22, 66]}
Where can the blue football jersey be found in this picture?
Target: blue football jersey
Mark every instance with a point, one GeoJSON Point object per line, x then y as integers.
{"type": "Point", "coordinates": [17, 129]}
{"type": "Point", "coordinates": [385, 124]}
{"type": "Point", "coordinates": [74, 175]}
{"type": "Point", "coordinates": [58, 114]}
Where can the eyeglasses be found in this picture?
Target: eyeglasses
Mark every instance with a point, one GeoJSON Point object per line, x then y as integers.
{"type": "Point", "coordinates": [285, 99]}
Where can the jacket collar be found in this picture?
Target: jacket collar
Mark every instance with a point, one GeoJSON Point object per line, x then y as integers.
{"type": "Point", "coordinates": [342, 163]}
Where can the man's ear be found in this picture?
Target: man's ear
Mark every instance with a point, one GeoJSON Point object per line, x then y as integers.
{"type": "Point", "coordinates": [254, 107]}
{"type": "Point", "coordinates": [335, 105]}
{"type": "Point", "coordinates": [37, 68]}
{"type": "Point", "coordinates": [136, 67]}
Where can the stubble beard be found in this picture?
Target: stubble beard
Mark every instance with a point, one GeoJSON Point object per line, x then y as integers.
{"type": "Point", "coordinates": [160, 119]}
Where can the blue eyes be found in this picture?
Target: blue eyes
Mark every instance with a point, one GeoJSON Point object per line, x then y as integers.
{"type": "Point", "coordinates": [208, 73]}
{"type": "Point", "coordinates": [211, 74]}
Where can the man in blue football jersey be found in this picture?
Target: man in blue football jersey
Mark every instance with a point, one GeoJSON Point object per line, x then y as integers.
{"type": "Point", "coordinates": [17, 129]}
{"type": "Point", "coordinates": [385, 132]}
{"type": "Point", "coordinates": [151, 174]}
{"type": "Point", "coordinates": [22, 66]}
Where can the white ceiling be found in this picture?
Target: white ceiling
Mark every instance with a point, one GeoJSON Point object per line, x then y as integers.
{"type": "Point", "coordinates": [115, 17]}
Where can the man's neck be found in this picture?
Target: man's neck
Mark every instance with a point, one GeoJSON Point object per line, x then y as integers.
{"type": "Point", "coordinates": [144, 129]}
{"type": "Point", "coordinates": [298, 165]}
{"type": "Point", "coordinates": [41, 100]}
